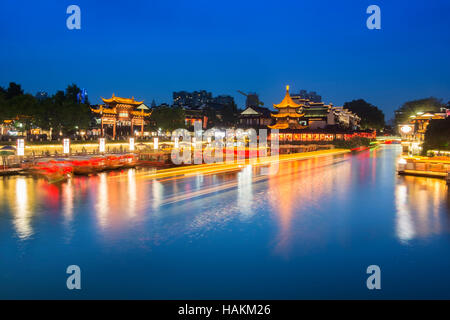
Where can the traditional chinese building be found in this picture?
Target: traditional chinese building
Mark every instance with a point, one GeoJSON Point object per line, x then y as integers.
{"type": "Point", "coordinates": [422, 120]}
{"type": "Point", "coordinates": [288, 115]}
{"type": "Point", "coordinates": [255, 117]}
{"type": "Point", "coordinates": [122, 113]}
{"type": "Point", "coordinates": [195, 114]}
{"type": "Point", "coordinates": [301, 120]}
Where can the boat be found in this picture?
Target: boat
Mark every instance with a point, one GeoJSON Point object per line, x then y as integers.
{"type": "Point", "coordinates": [113, 163]}
{"type": "Point", "coordinates": [154, 159]}
{"type": "Point", "coordinates": [128, 160]}
{"type": "Point", "coordinates": [84, 166]}
{"type": "Point", "coordinates": [53, 171]}
{"type": "Point", "coordinates": [60, 169]}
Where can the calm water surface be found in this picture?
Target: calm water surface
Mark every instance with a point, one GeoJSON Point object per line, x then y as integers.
{"type": "Point", "coordinates": [308, 232]}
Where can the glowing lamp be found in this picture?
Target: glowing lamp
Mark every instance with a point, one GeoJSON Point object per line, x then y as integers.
{"type": "Point", "coordinates": [20, 147]}
{"type": "Point", "coordinates": [402, 161]}
{"type": "Point", "coordinates": [131, 144]}
{"type": "Point", "coordinates": [101, 146]}
{"type": "Point", "coordinates": [66, 146]}
{"type": "Point", "coordinates": [406, 129]}
{"type": "Point", "coordinates": [176, 143]}
{"type": "Point", "coordinates": [155, 143]}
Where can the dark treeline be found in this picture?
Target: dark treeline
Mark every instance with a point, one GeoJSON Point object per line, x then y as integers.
{"type": "Point", "coordinates": [437, 136]}
{"type": "Point", "coordinates": [371, 116]}
{"type": "Point", "coordinates": [61, 111]}
{"type": "Point", "coordinates": [411, 108]}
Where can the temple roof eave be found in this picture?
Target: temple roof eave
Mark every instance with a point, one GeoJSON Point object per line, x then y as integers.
{"type": "Point", "coordinates": [103, 110]}
{"type": "Point", "coordinates": [279, 126]}
{"type": "Point", "coordinates": [120, 100]}
{"type": "Point", "coordinates": [282, 126]}
{"type": "Point", "coordinates": [285, 115]}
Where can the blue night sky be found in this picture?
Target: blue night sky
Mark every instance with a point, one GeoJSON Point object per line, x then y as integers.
{"type": "Point", "coordinates": [147, 49]}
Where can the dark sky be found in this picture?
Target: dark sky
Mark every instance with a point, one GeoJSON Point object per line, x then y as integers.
{"type": "Point", "coordinates": [147, 49]}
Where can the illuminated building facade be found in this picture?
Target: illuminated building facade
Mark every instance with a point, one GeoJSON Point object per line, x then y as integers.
{"type": "Point", "coordinates": [299, 119]}
{"type": "Point", "coordinates": [123, 113]}
{"type": "Point", "coordinates": [422, 120]}
{"type": "Point", "coordinates": [288, 115]}
{"type": "Point", "coordinates": [255, 117]}
{"type": "Point", "coordinates": [193, 115]}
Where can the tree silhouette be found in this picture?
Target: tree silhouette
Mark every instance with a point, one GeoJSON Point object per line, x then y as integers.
{"type": "Point", "coordinates": [371, 116]}
{"type": "Point", "coordinates": [13, 90]}
{"type": "Point", "coordinates": [411, 108]}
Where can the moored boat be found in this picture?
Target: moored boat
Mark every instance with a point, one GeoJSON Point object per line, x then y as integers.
{"type": "Point", "coordinates": [53, 171]}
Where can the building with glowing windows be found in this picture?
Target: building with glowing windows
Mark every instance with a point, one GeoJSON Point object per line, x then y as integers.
{"type": "Point", "coordinates": [119, 116]}
{"type": "Point", "coordinates": [299, 119]}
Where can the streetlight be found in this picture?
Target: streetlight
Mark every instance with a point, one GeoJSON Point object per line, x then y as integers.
{"type": "Point", "coordinates": [406, 129]}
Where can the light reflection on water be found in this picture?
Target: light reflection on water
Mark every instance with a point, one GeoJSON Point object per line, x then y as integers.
{"type": "Point", "coordinates": [313, 210]}
{"type": "Point", "coordinates": [420, 203]}
{"type": "Point", "coordinates": [22, 217]}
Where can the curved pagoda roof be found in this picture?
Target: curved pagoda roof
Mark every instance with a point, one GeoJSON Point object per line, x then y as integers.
{"type": "Point", "coordinates": [108, 110]}
{"type": "Point", "coordinates": [287, 101]}
{"type": "Point", "coordinates": [287, 114]}
{"type": "Point", "coordinates": [286, 125]}
{"type": "Point", "coordinates": [120, 100]}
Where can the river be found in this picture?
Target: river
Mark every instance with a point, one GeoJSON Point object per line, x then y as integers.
{"type": "Point", "coordinates": [309, 231]}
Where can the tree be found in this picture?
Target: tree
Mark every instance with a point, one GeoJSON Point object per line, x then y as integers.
{"type": "Point", "coordinates": [229, 114]}
{"type": "Point", "coordinates": [24, 107]}
{"type": "Point", "coordinates": [68, 115]}
{"type": "Point", "coordinates": [14, 103]}
{"type": "Point", "coordinates": [61, 112]}
{"type": "Point", "coordinates": [44, 116]}
{"type": "Point", "coordinates": [211, 116]}
{"type": "Point", "coordinates": [73, 117]}
{"type": "Point", "coordinates": [13, 90]}
{"type": "Point", "coordinates": [437, 135]}
{"type": "Point", "coordinates": [169, 118]}
{"type": "Point", "coordinates": [371, 116]}
{"type": "Point", "coordinates": [72, 93]}
{"type": "Point", "coordinates": [4, 108]}
{"type": "Point", "coordinates": [411, 108]}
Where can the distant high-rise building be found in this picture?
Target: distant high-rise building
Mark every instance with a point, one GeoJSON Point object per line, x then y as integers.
{"type": "Point", "coordinates": [192, 99]}
{"type": "Point", "coordinates": [311, 96]}
{"type": "Point", "coordinates": [224, 100]}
